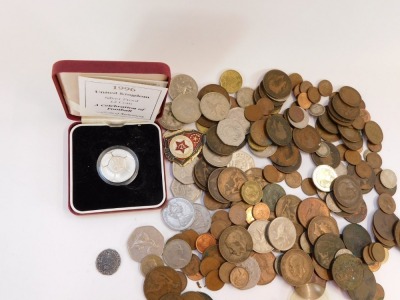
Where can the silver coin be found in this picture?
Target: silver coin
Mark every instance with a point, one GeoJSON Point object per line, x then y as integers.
{"type": "Point", "coordinates": [388, 179]}
{"type": "Point", "coordinates": [281, 233]}
{"type": "Point", "coordinates": [143, 241]}
{"type": "Point", "coordinates": [202, 219]}
{"type": "Point", "coordinates": [341, 169]}
{"type": "Point", "coordinates": [316, 109]}
{"type": "Point", "coordinates": [237, 114]}
{"type": "Point", "coordinates": [168, 121]}
{"type": "Point", "coordinates": [304, 243]}
{"type": "Point", "coordinates": [343, 251]}
{"type": "Point", "coordinates": [214, 106]}
{"type": "Point", "coordinates": [244, 97]}
{"type": "Point", "coordinates": [177, 253]}
{"type": "Point", "coordinates": [303, 123]}
{"type": "Point", "coordinates": [118, 165]}
{"type": "Point", "coordinates": [108, 262]}
{"type": "Point", "coordinates": [184, 173]}
{"type": "Point", "coordinates": [182, 84]}
{"type": "Point", "coordinates": [230, 132]}
{"type": "Point", "coordinates": [323, 150]}
{"type": "Point", "coordinates": [267, 152]}
{"type": "Point", "coordinates": [186, 108]}
{"type": "Point", "coordinates": [323, 176]}
{"type": "Point", "coordinates": [253, 268]}
{"type": "Point", "coordinates": [242, 161]}
{"type": "Point", "coordinates": [257, 230]}
{"type": "Point", "coordinates": [332, 204]}
{"type": "Point", "coordinates": [188, 191]}
{"type": "Point", "coordinates": [178, 214]}
{"type": "Point", "coordinates": [214, 159]}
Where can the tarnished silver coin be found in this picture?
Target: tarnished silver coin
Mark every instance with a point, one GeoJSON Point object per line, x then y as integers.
{"type": "Point", "coordinates": [257, 230]}
{"type": "Point", "coordinates": [184, 174]}
{"type": "Point", "coordinates": [214, 159]}
{"type": "Point", "coordinates": [281, 233]}
{"type": "Point", "coordinates": [230, 132]}
{"type": "Point", "coordinates": [323, 176]}
{"type": "Point", "coordinates": [168, 121]}
{"type": "Point", "coordinates": [178, 214]}
{"type": "Point", "coordinates": [316, 109]}
{"type": "Point", "coordinates": [267, 152]}
{"type": "Point", "coordinates": [237, 114]}
{"type": "Point", "coordinates": [253, 268]}
{"type": "Point", "coordinates": [177, 253]}
{"type": "Point", "coordinates": [388, 178]}
{"type": "Point", "coordinates": [214, 106]}
{"type": "Point", "coordinates": [202, 219]}
{"type": "Point", "coordinates": [244, 97]}
{"type": "Point", "coordinates": [182, 84]}
{"type": "Point", "coordinates": [323, 150]}
{"type": "Point", "coordinates": [188, 191]}
{"type": "Point", "coordinates": [108, 262]}
{"type": "Point", "coordinates": [186, 108]}
{"type": "Point", "coordinates": [143, 241]}
{"type": "Point", "coordinates": [242, 161]}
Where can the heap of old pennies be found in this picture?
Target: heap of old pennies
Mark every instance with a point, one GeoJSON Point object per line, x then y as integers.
{"type": "Point", "coordinates": [247, 228]}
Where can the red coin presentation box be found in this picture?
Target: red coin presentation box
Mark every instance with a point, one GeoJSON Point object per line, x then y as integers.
{"type": "Point", "coordinates": [115, 158]}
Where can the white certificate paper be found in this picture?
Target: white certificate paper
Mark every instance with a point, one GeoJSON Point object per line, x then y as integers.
{"type": "Point", "coordinates": [111, 98]}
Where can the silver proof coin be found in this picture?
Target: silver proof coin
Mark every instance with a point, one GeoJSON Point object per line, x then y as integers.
{"type": "Point", "coordinates": [108, 262]}
{"type": "Point", "coordinates": [118, 165]}
{"type": "Point", "coordinates": [178, 214]}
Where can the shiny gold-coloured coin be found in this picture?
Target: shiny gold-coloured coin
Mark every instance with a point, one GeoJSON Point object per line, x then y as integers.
{"type": "Point", "coordinates": [231, 80]}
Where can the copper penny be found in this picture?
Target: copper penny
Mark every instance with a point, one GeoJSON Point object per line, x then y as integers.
{"type": "Point", "coordinates": [386, 203]}
{"type": "Point", "coordinates": [325, 88]}
{"type": "Point", "coordinates": [213, 88]}
{"type": "Point", "coordinates": [352, 157]}
{"type": "Point", "coordinates": [266, 106]}
{"type": "Point", "coordinates": [373, 147]}
{"type": "Point", "coordinates": [296, 114]}
{"type": "Point", "coordinates": [356, 237]}
{"type": "Point", "coordinates": [287, 207]}
{"type": "Point", "coordinates": [220, 215]}
{"type": "Point", "coordinates": [271, 174]}
{"type": "Point", "coordinates": [326, 122]}
{"type": "Point", "coordinates": [277, 84]}
{"type": "Point", "coordinates": [374, 160]}
{"type": "Point", "coordinates": [295, 79]}
{"type": "Point", "coordinates": [313, 95]}
{"type": "Point", "coordinates": [343, 110]}
{"type": "Point", "coordinates": [253, 113]}
{"type": "Point", "coordinates": [258, 133]}
{"type": "Point", "coordinates": [307, 139]}
{"type": "Point", "coordinates": [305, 85]}
{"type": "Point", "coordinates": [266, 263]}
{"type": "Point", "coordinates": [256, 174]}
{"type": "Point", "coordinates": [310, 208]}
{"type": "Point", "coordinates": [193, 267]}
{"type": "Point", "coordinates": [308, 187]}
{"type": "Point", "coordinates": [320, 225]}
{"type": "Point", "coordinates": [350, 96]}
{"type": "Point", "coordinates": [286, 156]}
{"type": "Point", "coordinates": [279, 130]}
{"type": "Point", "coordinates": [303, 101]}
{"type": "Point", "coordinates": [296, 267]}
{"type": "Point", "coordinates": [363, 169]}
{"type": "Point", "coordinates": [211, 204]}
{"type": "Point", "coordinates": [225, 271]}
{"type": "Point", "coordinates": [293, 179]}
{"type": "Point", "coordinates": [218, 226]}
{"type": "Point", "coordinates": [212, 185]}
{"type": "Point", "coordinates": [384, 224]}
{"type": "Point", "coordinates": [235, 244]}
{"type": "Point", "coordinates": [239, 277]}
{"type": "Point", "coordinates": [261, 211]}
{"type": "Point", "coordinates": [230, 181]}
{"type": "Point", "coordinates": [373, 132]}
{"type": "Point", "coordinates": [325, 135]}
{"type": "Point", "coordinates": [204, 241]}
{"type": "Point", "coordinates": [209, 264]}
{"type": "Point", "coordinates": [161, 281]}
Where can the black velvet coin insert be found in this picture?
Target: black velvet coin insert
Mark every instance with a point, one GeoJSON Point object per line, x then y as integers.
{"type": "Point", "coordinates": [89, 193]}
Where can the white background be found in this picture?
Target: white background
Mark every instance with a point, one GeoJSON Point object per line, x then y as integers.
{"type": "Point", "coordinates": [48, 253]}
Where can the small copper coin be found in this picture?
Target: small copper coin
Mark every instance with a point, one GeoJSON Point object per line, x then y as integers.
{"type": "Point", "coordinates": [305, 85]}
{"type": "Point", "coordinates": [373, 132]}
{"type": "Point", "coordinates": [204, 241]}
{"type": "Point", "coordinates": [261, 211]}
{"type": "Point", "coordinates": [277, 84]}
{"type": "Point", "coordinates": [237, 214]}
{"type": "Point", "coordinates": [352, 157]}
{"type": "Point", "coordinates": [386, 203]}
{"type": "Point", "coordinates": [253, 113]}
{"type": "Point", "coordinates": [225, 271]}
{"type": "Point", "coordinates": [266, 106]}
{"type": "Point", "coordinates": [296, 114]}
{"type": "Point", "coordinates": [303, 101]}
{"type": "Point", "coordinates": [374, 160]}
{"type": "Point", "coordinates": [320, 225]}
{"type": "Point", "coordinates": [325, 88]}
{"type": "Point", "coordinates": [310, 208]}
{"type": "Point", "coordinates": [363, 169]}
{"type": "Point", "coordinates": [209, 264]}
{"type": "Point", "coordinates": [313, 95]}
{"type": "Point", "coordinates": [308, 187]}
{"type": "Point", "coordinates": [193, 267]}
{"type": "Point", "coordinates": [258, 133]}
{"type": "Point", "coordinates": [293, 179]}
{"type": "Point", "coordinates": [272, 175]}
{"type": "Point", "coordinates": [350, 96]}
{"type": "Point", "coordinates": [266, 263]}
{"type": "Point", "coordinates": [307, 139]}
{"type": "Point", "coordinates": [295, 79]}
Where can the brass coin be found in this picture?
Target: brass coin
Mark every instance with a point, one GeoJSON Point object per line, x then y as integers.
{"type": "Point", "coordinates": [161, 281]}
{"type": "Point", "coordinates": [350, 96]}
{"type": "Point", "coordinates": [235, 244]}
{"type": "Point", "coordinates": [293, 179]}
{"type": "Point", "coordinates": [296, 267]}
{"type": "Point", "coordinates": [279, 130]}
{"type": "Point", "coordinates": [348, 272]}
{"type": "Point", "coordinates": [231, 80]}
{"type": "Point", "coordinates": [356, 237]}
{"type": "Point", "coordinates": [251, 192]}
{"type": "Point", "coordinates": [277, 84]}
{"type": "Point", "coordinates": [307, 139]}
{"type": "Point", "coordinates": [310, 208]}
{"type": "Point", "coordinates": [325, 88]}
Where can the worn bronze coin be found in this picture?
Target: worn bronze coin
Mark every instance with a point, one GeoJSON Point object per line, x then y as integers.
{"type": "Point", "coordinates": [213, 88]}
{"type": "Point", "coordinates": [348, 272]}
{"type": "Point", "coordinates": [296, 267]}
{"type": "Point", "coordinates": [235, 244]}
{"type": "Point", "coordinates": [386, 203]}
{"type": "Point", "coordinates": [310, 208]}
{"type": "Point", "coordinates": [217, 146]}
{"type": "Point", "coordinates": [212, 185]}
{"type": "Point", "coordinates": [325, 135]}
{"type": "Point", "coordinates": [266, 106]}
{"type": "Point", "coordinates": [272, 175]}
{"type": "Point", "coordinates": [333, 159]}
{"type": "Point", "coordinates": [193, 267]}
{"type": "Point", "coordinates": [325, 88]}
{"type": "Point", "coordinates": [320, 225]}
{"type": "Point", "coordinates": [384, 224]}
{"type": "Point", "coordinates": [293, 179]}
{"type": "Point", "coordinates": [313, 94]}
{"type": "Point", "coordinates": [256, 174]}
{"type": "Point", "coordinates": [239, 277]}
{"type": "Point", "coordinates": [286, 156]}
{"type": "Point", "coordinates": [367, 289]}
{"type": "Point", "coordinates": [202, 171]}
{"type": "Point", "coordinates": [279, 130]}
{"type": "Point", "coordinates": [327, 124]}
{"type": "Point", "coordinates": [230, 181]}
{"type": "Point", "coordinates": [346, 190]}
{"type": "Point", "coordinates": [345, 111]}
{"type": "Point", "coordinates": [271, 194]}
{"type": "Point", "coordinates": [161, 281]}
{"type": "Point", "coordinates": [258, 133]}
{"type": "Point", "coordinates": [287, 207]}
{"type": "Point", "coordinates": [350, 96]}
{"type": "Point", "coordinates": [295, 79]}
{"type": "Point", "coordinates": [253, 113]}
{"type": "Point", "coordinates": [209, 264]}
{"type": "Point", "coordinates": [277, 84]}
{"type": "Point", "coordinates": [326, 247]}
{"type": "Point", "coordinates": [356, 237]}
{"type": "Point", "coordinates": [307, 139]}
{"type": "Point", "coordinates": [373, 132]}
{"type": "Point", "coordinates": [308, 187]}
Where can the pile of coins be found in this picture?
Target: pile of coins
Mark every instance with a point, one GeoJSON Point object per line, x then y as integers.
{"type": "Point", "coordinates": [257, 230]}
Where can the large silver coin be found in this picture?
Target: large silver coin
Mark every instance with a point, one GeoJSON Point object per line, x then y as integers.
{"type": "Point", "coordinates": [177, 254]}
{"type": "Point", "coordinates": [182, 84]}
{"type": "Point", "coordinates": [143, 241]}
{"type": "Point", "coordinates": [178, 214]}
{"type": "Point", "coordinates": [202, 219]}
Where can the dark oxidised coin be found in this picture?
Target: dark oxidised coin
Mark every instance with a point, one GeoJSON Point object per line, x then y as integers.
{"type": "Point", "coordinates": [202, 171]}
{"type": "Point", "coordinates": [326, 122]}
{"type": "Point", "coordinates": [217, 146]}
{"type": "Point", "coordinates": [346, 190]}
{"type": "Point", "coordinates": [279, 130]}
{"type": "Point", "coordinates": [271, 194]}
{"type": "Point", "coordinates": [384, 224]}
{"type": "Point", "coordinates": [277, 84]}
{"type": "Point", "coordinates": [326, 247]}
{"type": "Point", "coordinates": [333, 159]}
{"type": "Point", "coordinates": [345, 111]}
{"type": "Point", "coordinates": [356, 237]}
{"type": "Point", "coordinates": [213, 186]}
{"type": "Point", "coordinates": [348, 272]}
{"type": "Point", "coordinates": [367, 288]}
{"type": "Point", "coordinates": [235, 244]}
{"type": "Point", "coordinates": [230, 181]}
{"type": "Point", "coordinates": [108, 262]}
{"type": "Point", "coordinates": [286, 156]}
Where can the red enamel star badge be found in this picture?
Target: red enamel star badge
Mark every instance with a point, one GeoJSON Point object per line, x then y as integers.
{"type": "Point", "coordinates": [181, 146]}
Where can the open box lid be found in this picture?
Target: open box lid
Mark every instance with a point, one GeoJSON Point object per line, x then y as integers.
{"type": "Point", "coordinates": [111, 91]}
